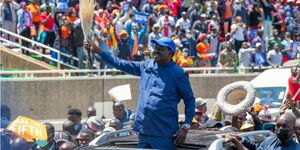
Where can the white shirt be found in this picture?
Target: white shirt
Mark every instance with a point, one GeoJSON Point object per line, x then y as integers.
{"type": "Point", "coordinates": [161, 22]}
{"type": "Point", "coordinates": [274, 57]}
{"type": "Point", "coordinates": [245, 56]}
{"type": "Point", "coordinates": [153, 36]}
{"type": "Point", "coordinates": [184, 24]}
{"type": "Point", "coordinates": [239, 34]}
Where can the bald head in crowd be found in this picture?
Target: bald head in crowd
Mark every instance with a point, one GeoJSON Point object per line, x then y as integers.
{"type": "Point", "coordinates": [285, 127]}
{"type": "Point", "coordinates": [67, 146]}
{"type": "Point", "coordinates": [91, 111]}
{"type": "Point", "coordinates": [119, 110]}
{"type": "Point", "coordinates": [115, 123]}
{"type": "Point", "coordinates": [69, 126]}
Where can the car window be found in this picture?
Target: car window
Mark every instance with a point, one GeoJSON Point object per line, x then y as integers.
{"type": "Point", "coordinates": [271, 96]}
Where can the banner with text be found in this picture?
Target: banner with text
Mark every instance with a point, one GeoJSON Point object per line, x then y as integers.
{"type": "Point", "coordinates": [28, 128]}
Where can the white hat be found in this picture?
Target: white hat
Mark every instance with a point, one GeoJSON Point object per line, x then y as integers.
{"type": "Point", "coordinates": [257, 44]}
{"type": "Point", "coordinates": [200, 101]}
{"type": "Point", "coordinates": [203, 15]}
{"type": "Point", "coordinates": [290, 1]}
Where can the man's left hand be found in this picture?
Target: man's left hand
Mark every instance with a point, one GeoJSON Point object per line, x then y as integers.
{"type": "Point", "coordinates": [180, 135]}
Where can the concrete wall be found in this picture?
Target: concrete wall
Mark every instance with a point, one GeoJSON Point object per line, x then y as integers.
{"type": "Point", "coordinates": [13, 60]}
{"type": "Point", "coordinates": [51, 98]}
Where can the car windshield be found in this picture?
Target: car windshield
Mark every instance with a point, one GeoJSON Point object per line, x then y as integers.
{"type": "Point", "coordinates": [271, 96]}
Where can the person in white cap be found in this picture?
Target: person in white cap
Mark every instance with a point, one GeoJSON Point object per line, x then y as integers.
{"type": "Point", "coordinates": [201, 109]}
{"type": "Point", "coordinates": [259, 56]}
{"type": "Point", "coordinates": [245, 55]}
{"type": "Point", "coordinates": [200, 26]}
{"type": "Point", "coordinates": [154, 35]}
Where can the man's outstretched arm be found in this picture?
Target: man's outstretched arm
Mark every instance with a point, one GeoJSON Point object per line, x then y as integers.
{"type": "Point", "coordinates": [130, 67]}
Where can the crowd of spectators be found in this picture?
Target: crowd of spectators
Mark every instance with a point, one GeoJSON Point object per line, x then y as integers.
{"type": "Point", "coordinates": [223, 33]}
{"type": "Point", "coordinates": [76, 132]}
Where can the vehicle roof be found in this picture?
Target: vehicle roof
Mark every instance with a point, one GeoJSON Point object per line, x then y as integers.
{"type": "Point", "coordinates": [196, 139]}
{"type": "Point", "coordinates": [272, 78]}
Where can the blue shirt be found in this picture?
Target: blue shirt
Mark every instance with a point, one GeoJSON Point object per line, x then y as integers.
{"type": "Point", "coordinates": [259, 58]}
{"type": "Point", "coordinates": [160, 90]}
{"type": "Point", "coordinates": [272, 143]}
{"type": "Point", "coordinates": [125, 121]}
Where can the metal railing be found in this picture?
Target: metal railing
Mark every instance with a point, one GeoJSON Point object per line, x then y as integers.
{"type": "Point", "coordinates": [19, 45]}
{"type": "Point", "coordinates": [61, 73]}
{"type": "Point", "coordinates": [105, 72]}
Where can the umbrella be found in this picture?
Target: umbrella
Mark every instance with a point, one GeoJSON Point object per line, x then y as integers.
{"type": "Point", "coordinates": [28, 128]}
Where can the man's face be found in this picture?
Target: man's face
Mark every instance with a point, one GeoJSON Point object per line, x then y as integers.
{"type": "Point", "coordinates": [258, 48]}
{"type": "Point", "coordinates": [202, 108]}
{"type": "Point", "coordinates": [276, 47]}
{"type": "Point", "coordinates": [114, 124]}
{"type": "Point", "coordinates": [183, 16]}
{"type": "Point", "coordinates": [156, 29]}
{"type": "Point", "coordinates": [284, 125]}
{"type": "Point", "coordinates": [202, 19]}
{"type": "Point", "coordinates": [162, 54]}
{"type": "Point", "coordinates": [244, 45]}
{"type": "Point", "coordinates": [90, 113]}
{"type": "Point", "coordinates": [84, 139]}
{"type": "Point", "coordinates": [118, 112]}
{"type": "Point", "coordinates": [241, 119]}
{"type": "Point", "coordinates": [76, 119]}
{"type": "Point", "coordinates": [228, 46]}
{"type": "Point", "coordinates": [294, 71]}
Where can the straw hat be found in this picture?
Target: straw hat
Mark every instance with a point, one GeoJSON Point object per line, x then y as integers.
{"type": "Point", "coordinates": [123, 32]}
{"type": "Point", "coordinates": [155, 26]}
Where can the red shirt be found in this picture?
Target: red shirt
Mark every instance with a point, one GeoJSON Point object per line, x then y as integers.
{"type": "Point", "coordinates": [293, 88]}
{"type": "Point", "coordinates": [49, 25]}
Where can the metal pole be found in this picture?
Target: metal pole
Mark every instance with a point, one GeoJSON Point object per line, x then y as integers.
{"type": "Point", "coordinates": [58, 59]}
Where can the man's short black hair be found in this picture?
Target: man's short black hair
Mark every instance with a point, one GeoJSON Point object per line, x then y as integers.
{"type": "Point", "coordinates": [75, 111]}
{"type": "Point", "coordinates": [88, 131]}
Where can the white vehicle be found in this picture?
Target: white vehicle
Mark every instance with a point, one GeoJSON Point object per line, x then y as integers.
{"type": "Point", "coordinates": [272, 87]}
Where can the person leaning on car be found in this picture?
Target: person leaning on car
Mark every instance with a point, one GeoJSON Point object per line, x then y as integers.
{"type": "Point", "coordinates": [162, 85]}
{"type": "Point", "coordinates": [285, 129]}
